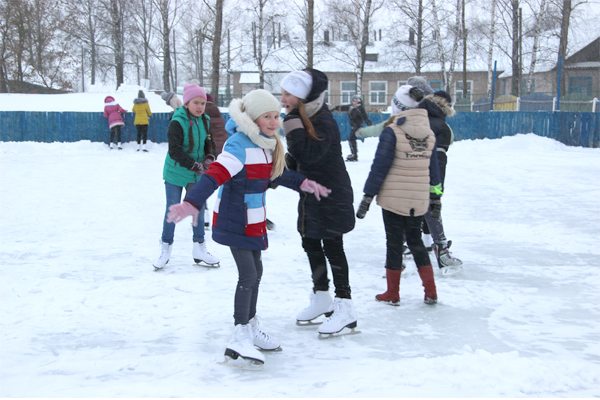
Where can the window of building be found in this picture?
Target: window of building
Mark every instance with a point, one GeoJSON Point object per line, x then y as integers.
{"type": "Point", "coordinates": [459, 92]}
{"type": "Point", "coordinates": [580, 84]}
{"type": "Point", "coordinates": [327, 93]}
{"type": "Point", "coordinates": [371, 57]}
{"type": "Point", "coordinates": [348, 90]}
{"type": "Point", "coordinates": [524, 85]}
{"type": "Point", "coordinates": [378, 93]}
{"type": "Point", "coordinates": [435, 85]}
{"type": "Point", "coordinates": [401, 83]}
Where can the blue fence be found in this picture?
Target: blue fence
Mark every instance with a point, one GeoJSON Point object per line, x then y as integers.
{"type": "Point", "coordinates": [571, 128]}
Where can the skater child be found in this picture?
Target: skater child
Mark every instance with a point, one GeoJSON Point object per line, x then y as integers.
{"type": "Point", "coordinates": [190, 153]}
{"type": "Point", "coordinates": [142, 113]}
{"type": "Point", "coordinates": [252, 157]}
{"type": "Point", "coordinates": [404, 176]}
{"type": "Point", "coordinates": [357, 116]}
{"type": "Point", "coordinates": [112, 111]}
{"type": "Point", "coordinates": [314, 150]}
{"type": "Point", "coordinates": [438, 106]}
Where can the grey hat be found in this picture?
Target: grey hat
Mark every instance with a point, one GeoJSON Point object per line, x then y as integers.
{"type": "Point", "coordinates": [421, 83]}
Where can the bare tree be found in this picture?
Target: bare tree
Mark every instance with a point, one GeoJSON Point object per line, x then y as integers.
{"type": "Point", "coordinates": [143, 25]}
{"type": "Point", "coordinates": [167, 10]}
{"type": "Point", "coordinates": [353, 19]}
{"type": "Point", "coordinates": [261, 21]}
{"type": "Point", "coordinates": [537, 28]}
{"type": "Point", "coordinates": [83, 25]}
{"type": "Point", "coordinates": [217, 34]}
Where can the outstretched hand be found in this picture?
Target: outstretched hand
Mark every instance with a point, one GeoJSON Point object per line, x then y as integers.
{"type": "Point", "coordinates": [178, 212]}
{"type": "Point", "coordinates": [319, 191]}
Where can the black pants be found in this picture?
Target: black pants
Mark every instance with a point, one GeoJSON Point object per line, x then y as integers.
{"type": "Point", "coordinates": [115, 130]}
{"type": "Point", "coordinates": [333, 249]}
{"type": "Point", "coordinates": [142, 133]}
{"type": "Point", "coordinates": [352, 140]}
{"type": "Point", "coordinates": [396, 228]}
{"type": "Point", "coordinates": [250, 269]}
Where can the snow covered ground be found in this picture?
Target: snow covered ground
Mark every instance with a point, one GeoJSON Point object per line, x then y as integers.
{"type": "Point", "coordinates": [84, 314]}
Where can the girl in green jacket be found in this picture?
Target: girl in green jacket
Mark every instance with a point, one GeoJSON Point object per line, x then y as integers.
{"type": "Point", "coordinates": [190, 153]}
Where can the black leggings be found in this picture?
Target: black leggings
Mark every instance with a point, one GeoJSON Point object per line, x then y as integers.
{"type": "Point", "coordinates": [333, 249]}
{"type": "Point", "coordinates": [115, 130]}
{"type": "Point", "coordinates": [396, 227]}
{"type": "Point", "coordinates": [142, 133]}
{"type": "Point", "coordinates": [250, 269]}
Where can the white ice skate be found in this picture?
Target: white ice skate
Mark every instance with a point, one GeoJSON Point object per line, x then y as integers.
{"type": "Point", "coordinates": [202, 257]}
{"type": "Point", "coordinates": [240, 351]}
{"type": "Point", "coordinates": [320, 303]}
{"type": "Point", "coordinates": [165, 255]}
{"type": "Point", "coordinates": [343, 316]}
{"type": "Point", "coordinates": [262, 340]}
{"type": "Point", "coordinates": [448, 265]}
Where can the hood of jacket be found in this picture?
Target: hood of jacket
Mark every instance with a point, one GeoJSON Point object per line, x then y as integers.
{"type": "Point", "coordinates": [241, 122]}
{"type": "Point", "coordinates": [140, 100]}
{"type": "Point", "coordinates": [437, 107]}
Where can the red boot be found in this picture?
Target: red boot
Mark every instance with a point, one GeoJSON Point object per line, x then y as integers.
{"type": "Point", "coordinates": [426, 274]}
{"type": "Point", "coordinates": [392, 295]}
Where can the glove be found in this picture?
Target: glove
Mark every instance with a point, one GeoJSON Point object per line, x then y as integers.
{"type": "Point", "coordinates": [319, 191]}
{"type": "Point", "coordinates": [437, 189]}
{"type": "Point", "coordinates": [359, 136]}
{"type": "Point", "coordinates": [364, 206]}
{"type": "Point", "coordinates": [435, 205]}
{"type": "Point", "coordinates": [201, 168]}
{"type": "Point", "coordinates": [208, 159]}
{"type": "Point", "coordinates": [178, 212]}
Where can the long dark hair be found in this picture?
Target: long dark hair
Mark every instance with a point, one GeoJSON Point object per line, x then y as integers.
{"type": "Point", "coordinates": [208, 142]}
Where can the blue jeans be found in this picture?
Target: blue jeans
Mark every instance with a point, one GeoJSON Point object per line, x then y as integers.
{"type": "Point", "coordinates": [174, 197]}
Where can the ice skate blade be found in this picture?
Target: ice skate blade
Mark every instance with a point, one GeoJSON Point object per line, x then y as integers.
{"type": "Point", "coordinates": [447, 271]}
{"type": "Point", "coordinates": [235, 360]}
{"type": "Point", "coordinates": [278, 349]}
{"type": "Point", "coordinates": [311, 321]}
{"type": "Point", "coordinates": [201, 263]}
{"type": "Point", "coordinates": [325, 336]}
{"type": "Point", "coordinates": [159, 269]}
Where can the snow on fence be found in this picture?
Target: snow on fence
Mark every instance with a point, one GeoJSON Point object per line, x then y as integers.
{"type": "Point", "coordinates": [570, 128]}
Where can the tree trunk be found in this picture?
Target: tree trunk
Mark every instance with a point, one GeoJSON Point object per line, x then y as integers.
{"type": "Point", "coordinates": [491, 49]}
{"type": "Point", "coordinates": [216, 50]}
{"type": "Point", "coordinates": [166, 46]}
{"type": "Point", "coordinates": [440, 47]}
{"type": "Point", "coordinates": [419, 56]}
{"type": "Point", "coordinates": [536, 41]}
{"type": "Point", "coordinates": [117, 37]}
{"type": "Point", "coordinates": [515, 49]}
{"type": "Point", "coordinates": [363, 46]}
{"type": "Point", "coordinates": [564, 38]}
{"type": "Point", "coordinates": [457, 36]}
{"type": "Point", "coordinates": [464, 34]}
{"type": "Point", "coordinates": [310, 33]}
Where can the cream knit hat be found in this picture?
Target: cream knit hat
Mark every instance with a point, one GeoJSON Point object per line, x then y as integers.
{"type": "Point", "coordinates": [258, 102]}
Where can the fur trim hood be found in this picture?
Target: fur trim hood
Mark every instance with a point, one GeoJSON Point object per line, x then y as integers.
{"type": "Point", "coordinates": [442, 104]}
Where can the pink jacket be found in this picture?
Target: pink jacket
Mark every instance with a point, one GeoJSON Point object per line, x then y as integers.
{"type": "Point", "coordinates": [112, 111]}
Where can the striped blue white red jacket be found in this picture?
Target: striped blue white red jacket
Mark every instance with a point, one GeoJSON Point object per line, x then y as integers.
{"type": "Point", "coordinates": [242, 171]}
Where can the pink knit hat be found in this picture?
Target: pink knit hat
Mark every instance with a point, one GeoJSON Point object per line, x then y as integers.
{"type": "Point", "coordinates": [190, 91]}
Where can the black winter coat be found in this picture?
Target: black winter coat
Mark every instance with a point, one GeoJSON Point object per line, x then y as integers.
{"type": "Point", "coordinates": [358, 115]}
{"type": "Point", "coordinates": [437, 111]}
{"type": "Point", "coordinates": [321, 161]}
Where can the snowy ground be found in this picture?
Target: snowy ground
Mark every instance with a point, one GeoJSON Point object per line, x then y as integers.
{"type": "Point", "coordinates": [84, 314]}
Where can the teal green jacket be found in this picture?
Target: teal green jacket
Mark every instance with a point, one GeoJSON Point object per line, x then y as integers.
{"type": "Point", "coordinates": [180, 159]}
